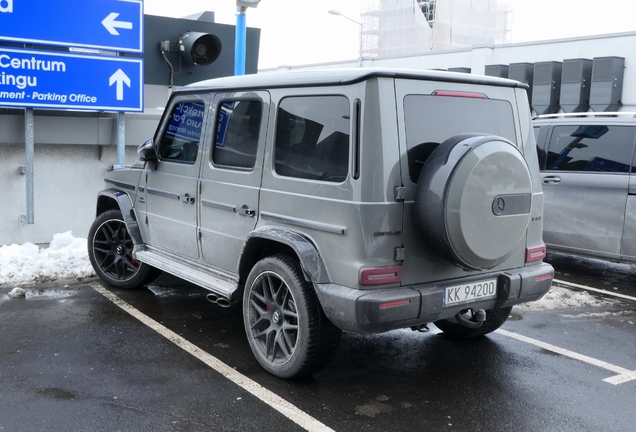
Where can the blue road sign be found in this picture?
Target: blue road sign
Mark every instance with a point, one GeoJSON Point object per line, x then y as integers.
{"type": "Point", "coordinates": [48, 79]}
{"type": "Point", "coordinates": [111, 25]}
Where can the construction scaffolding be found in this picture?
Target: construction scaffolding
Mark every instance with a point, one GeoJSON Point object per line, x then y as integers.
{"type": "Point", "coordinates": [404, 27]}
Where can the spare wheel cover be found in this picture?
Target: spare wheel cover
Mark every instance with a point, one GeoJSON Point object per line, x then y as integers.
{"type": "Point", "coordinates": [473, 200]}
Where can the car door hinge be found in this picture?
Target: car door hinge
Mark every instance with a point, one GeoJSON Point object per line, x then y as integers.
{"type": "Point", "coordinates": [200, 187]}
{"type": "Point", "coordinates": [200, 235]}
{"type": "Point", "coordinates": [399, 254]}
{"type": "Point", "coordinates": [400, 193]}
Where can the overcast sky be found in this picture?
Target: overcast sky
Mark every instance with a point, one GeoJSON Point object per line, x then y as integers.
{"type": "Point", "coordinates": [297, 32]}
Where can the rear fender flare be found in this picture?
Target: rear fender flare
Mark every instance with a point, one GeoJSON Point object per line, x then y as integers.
{"type": "Point", "coordinates": [306, 251]}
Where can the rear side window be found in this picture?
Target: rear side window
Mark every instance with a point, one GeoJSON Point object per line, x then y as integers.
{"type": "Point", "coordinates": [591, 148]}
{"type": "Point", "coordinates": [312, 138]}
{"type": "Point", "coordinates": [180, 141]}
{"type": "Point", "coordinates": [431, 120]}
{"type": "Point", "coordinates": [238, 124]}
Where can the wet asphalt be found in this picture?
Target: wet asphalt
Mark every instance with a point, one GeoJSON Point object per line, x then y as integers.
{"type": "Point", "coordinates": [71, 360]}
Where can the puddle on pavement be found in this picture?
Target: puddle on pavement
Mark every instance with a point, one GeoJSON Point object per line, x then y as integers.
{"type": "Point", "coordinates": [374, 407]}
{"type": "Point", "coordinates": [514, 316]}
{"type": "Point", "coordinates": [161, 291]}
{"type": "Point", "coordinates": [57, 393]}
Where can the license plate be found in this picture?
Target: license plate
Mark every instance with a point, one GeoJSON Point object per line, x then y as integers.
{"type": "Point", "coordinates": [470, 292]}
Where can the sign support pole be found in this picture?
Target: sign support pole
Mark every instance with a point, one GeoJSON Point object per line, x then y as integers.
{"type": "Point", "coordinates": [121, 139]}
{"type": "Point", "coordinates": [240, 42]}
{"type": "Point", "coordinates": [29, 144]}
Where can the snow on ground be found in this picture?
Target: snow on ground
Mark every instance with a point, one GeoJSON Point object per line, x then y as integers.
{"type": "Point", "coordinates": [560, 297]}
{"type": "Point", "coordinates": [65, 258]}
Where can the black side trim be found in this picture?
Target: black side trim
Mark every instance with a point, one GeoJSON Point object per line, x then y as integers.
{"type": "Point", "coordinates": [163, 193]}
{"type": "Point", "coordinates": [121, 184]}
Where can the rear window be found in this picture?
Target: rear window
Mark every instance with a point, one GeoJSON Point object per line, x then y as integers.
{"type": "Point", "coordinates": [431, 120]}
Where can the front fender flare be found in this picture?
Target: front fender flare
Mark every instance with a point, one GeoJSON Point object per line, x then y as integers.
{"type": "Point", "coordinates": [124, 202]}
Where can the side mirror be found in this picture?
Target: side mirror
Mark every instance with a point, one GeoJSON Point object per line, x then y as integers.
{"type": "Point", "coordinates": [148, 153]}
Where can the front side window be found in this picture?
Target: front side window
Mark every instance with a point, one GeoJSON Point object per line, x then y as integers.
{"type": "Point", "coordinates": [591, 148]}
{"type": "Point", "coordinates": [312, 138]}
{"type": "Point", "coordinates": [180, 141]}
{"type": "Point", "coordinates": [238, 125]}
{"type": "Point", "coordinates": [432, 119]}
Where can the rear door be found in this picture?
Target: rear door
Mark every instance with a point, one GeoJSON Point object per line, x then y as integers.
{"type": "Point", "coordinates": [628, 244]}
{"type": "Point", "coordinates": [231, 176]}
{"type": "Point", "coordinates": [430, 113]}
{"type": "Point", "coordinates": [585, 185]}
{"type": "Point", "coordinates": [171, 189]}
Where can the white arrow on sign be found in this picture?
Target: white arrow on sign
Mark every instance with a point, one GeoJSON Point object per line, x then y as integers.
{"type": "Point", "coordinates": [120, 78]}
{"type": "Point", "coordinates": [112, 25]}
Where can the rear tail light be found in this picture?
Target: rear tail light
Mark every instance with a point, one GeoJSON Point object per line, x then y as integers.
{"type": "Point", "coordinates": [536, 253]}
{"type": "Point", "coordinates": [381, 275]}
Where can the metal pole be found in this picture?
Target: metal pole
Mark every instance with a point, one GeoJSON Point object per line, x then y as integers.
{"type": "Point", "coordinates": [121, 139]}
{"type": "Point", "coordinates": [29, 145]}
{"type": "Point", "coordinates": [360, 49]}
{"type": "Point", "coordinates": [240, 42]}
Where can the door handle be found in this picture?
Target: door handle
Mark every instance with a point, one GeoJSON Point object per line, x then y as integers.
{"type": "Point", "coordinates": [551, 179]}
{"type": "Point", "coordinates": [246, 211]}
{"type": "Point", "coordinates": [186, 198]}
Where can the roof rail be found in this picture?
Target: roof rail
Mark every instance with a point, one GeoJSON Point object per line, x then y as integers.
{"type": "Point", "coordinates": [586, 114]}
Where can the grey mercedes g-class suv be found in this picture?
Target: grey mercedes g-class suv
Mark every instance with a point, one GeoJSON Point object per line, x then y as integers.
{"type": "Point", "coordinates": [362, 200]}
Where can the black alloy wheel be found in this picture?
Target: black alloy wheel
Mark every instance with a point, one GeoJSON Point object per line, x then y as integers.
{"type": "Point", "coordinates": [287, 329]}
{"type": "Point", "coordinates": [110, 250]}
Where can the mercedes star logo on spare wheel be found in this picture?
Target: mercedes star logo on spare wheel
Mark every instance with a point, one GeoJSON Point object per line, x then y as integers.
{"type": "Point", "coordinates": [498, 205]}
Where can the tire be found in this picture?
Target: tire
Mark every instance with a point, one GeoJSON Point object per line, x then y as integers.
{"type": "Point", "coordinates": [473, 201]}
{"type": "Point", "coordinates": [110, 252]}
{"type": "Point", "coordinates": [286, 327]}
{"type": "Point", "coordinates": [495, 318]}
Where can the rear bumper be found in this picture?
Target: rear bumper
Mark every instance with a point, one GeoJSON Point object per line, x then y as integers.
{"type": "Point", "coordinates": [361, 311]}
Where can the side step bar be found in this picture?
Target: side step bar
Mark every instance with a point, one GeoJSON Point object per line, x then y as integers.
{"type": "Point", "coordinates": [219, 283]}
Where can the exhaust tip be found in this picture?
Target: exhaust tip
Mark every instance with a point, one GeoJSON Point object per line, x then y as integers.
{"type": "Point", "coordinates": [217, 300]}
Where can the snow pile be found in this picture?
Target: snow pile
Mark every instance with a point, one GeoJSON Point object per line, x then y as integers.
{"type": "Point", "coordinates": [65, 258]}
{"type": "Point", "coordinates": [559, 297]}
